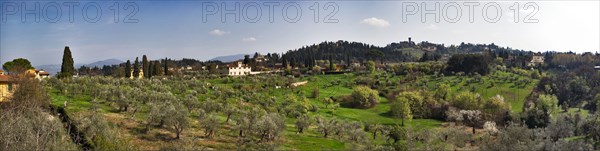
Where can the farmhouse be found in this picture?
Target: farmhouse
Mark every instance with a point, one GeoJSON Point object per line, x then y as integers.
{"type": "Point", "coordinates": [237, 69]}
{"type": "Point", "coordinates": [37, 74]}
{"type": "Point", "coordinates": [537, 59]}
{"type": "Point", "coordinates": [260, 58]}
{"type": "Point", "coordinates": [6, 86]}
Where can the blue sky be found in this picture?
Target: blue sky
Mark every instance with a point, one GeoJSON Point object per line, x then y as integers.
{"type": "Point", "coordinates": [176, 29]}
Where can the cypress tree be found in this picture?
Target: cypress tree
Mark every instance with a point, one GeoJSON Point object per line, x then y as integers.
{"type": "Point", "coordinates": [145, 66]}
{"type": "Point", "coordinates": [67, 68]}
{"type": "Point", "coordinates": [166, 67]}
{"type": "Point", "coordinates": [331, 68]}
{"type": "Point", "coordinates": [285, 63]}
{"type": "Point", "coordinates": [246, 59]}
{"type": "Point", "coordinates": [136, 68]}
{"type": "Point", "coordinates": [157, 68]}
{"type": "Point", "coordinates": [128, 69]}
{"type": "Point", "coordinates": [149, 70]}
{"type": "Point", "coordinates": [347, 61]}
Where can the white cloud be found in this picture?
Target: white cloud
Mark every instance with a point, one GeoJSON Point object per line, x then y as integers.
{"type": "Point", "coordinates": [433, 27]}
{"type": "Point", "coordinates": [375, 22]}
{"type": "Point", "coordinates": [249, 39]}
{"type": "Point", "coordinates": [218, 32]}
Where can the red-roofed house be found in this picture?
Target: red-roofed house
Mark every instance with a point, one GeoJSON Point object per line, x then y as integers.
{"type": "Point", "coordinates": [6, 86]}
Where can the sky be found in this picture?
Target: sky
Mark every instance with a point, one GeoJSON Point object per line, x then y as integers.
{"type": "Point", "coordinates": [206, 29]}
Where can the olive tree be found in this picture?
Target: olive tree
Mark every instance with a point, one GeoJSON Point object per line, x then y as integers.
{"type": "Point", "coordinates": [246, 121]}
{"type": "Point", "coordinates": [177, 118]}
{"type": "Point", "coordinates": [373, 128]}
{"type": "Point", "coordinates": [326, 127]}
{"type": "Point", "coordinates": [303, 122]}
{"type": "Point", "coordinates": [354, 131]}
{"type": "Point", "coordinates": [396, 133]}
{"type": "Point", "coordinates": [270, 126]}
{"type": "Point", "coordinates": [100, 133]}
{"type": "Point", "coordinates": [471, 118]}
{"type": "Point", "coordinates": [548, 103]}
{"type": "Point", "coordinates": [560, 128]}
{"type": "Point", "coordinates": [190, 101]}
{"type": "Point", "coordinates": [211, 124]}
{"type": "Point", "coordinates": [401, 109]}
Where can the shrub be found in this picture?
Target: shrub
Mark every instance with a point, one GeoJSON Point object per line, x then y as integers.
{"type": "Point", "coordinates": [466, 101]}
{"type": "Point", "coordinates": [364, 97]}
{"type": "Point", "coordinates": [315, 92]}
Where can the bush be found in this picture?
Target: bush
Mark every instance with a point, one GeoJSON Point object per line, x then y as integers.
{"type": "Point", "coordinates": [466, 101]}
{"type": "Point", "coordinates": [32, 129]}
{"type": "Point", "coordinates": [535, 75]}
{"type": "Point", "coordinates": [364, 97]}
{"type": "Point", "coordinates": [315, 92]}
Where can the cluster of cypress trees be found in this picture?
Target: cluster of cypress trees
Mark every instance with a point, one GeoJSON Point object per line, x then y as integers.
{"type": "Point", "coordinates": [148, 68]}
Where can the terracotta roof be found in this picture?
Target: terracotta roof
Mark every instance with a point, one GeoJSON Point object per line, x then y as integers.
{"type": "Point", "coordinates": [44, 73]}
{"type": "Point", "coordinates": [5, 78]}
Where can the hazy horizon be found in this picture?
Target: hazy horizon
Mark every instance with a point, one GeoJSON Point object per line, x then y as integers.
{"type": "Point", "coordinates": [190, 29]}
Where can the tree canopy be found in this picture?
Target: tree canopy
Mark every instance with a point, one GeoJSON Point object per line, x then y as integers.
{"type": "Point", "coordinates": [16, 66]}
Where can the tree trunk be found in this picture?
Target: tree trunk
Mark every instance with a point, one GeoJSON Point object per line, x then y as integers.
{"type": "Point", "coordinates": [374, 134]}
{"type": "Point", "coordinates": [402, 122]}
{"type": "Point", "coordinates": [473, 129]}
{"type": "Point", "coordinates": [134, 111]}
{"type": "Point", "coordinates": [228, 116]}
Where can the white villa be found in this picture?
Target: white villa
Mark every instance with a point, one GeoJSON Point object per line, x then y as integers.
{"type": "Point", "coordinates": [537, 59]}
{"type": "Point", "coordinates": [237, 69]}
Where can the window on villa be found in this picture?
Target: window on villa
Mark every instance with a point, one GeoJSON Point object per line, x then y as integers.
{"type": "Point", "coordinates": [10, 87]}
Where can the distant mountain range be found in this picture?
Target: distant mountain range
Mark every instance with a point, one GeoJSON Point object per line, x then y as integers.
{"type": "Point", "coordinates": [55, 68]}
{"type": "Point", "coordinates": [228, 58]}
{"type": "Point", "coordinates": [104, 62]}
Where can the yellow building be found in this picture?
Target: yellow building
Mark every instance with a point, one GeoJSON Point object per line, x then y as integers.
{"type": "Point", "coordinates": [37, 74]}
{"type": "Point", "coordinates": [6, 86]}
{"type": "Point", "coordinates": [140, 75]}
